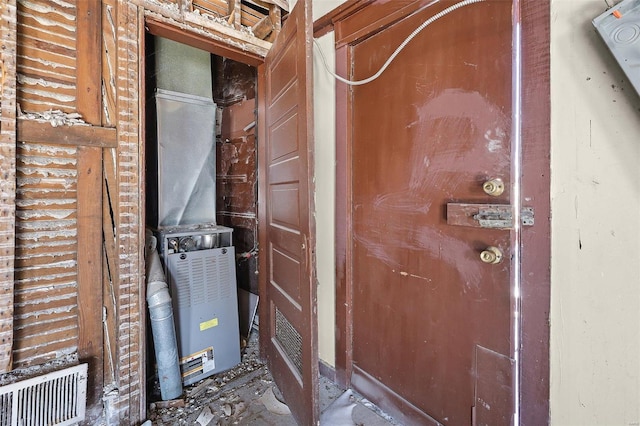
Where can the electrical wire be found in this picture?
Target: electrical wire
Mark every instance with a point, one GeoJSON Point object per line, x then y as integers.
{"type": "Point", "coordinates": [406, 41]}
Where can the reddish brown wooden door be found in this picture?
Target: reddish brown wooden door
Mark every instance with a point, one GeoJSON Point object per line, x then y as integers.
{"type": "Point", "coordinates": [432, 323]}
{"type": "Point", "coordinates": [288, 330]}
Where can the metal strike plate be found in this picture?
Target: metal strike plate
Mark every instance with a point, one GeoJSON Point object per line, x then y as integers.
{"type": "Point", "coordinates": [527, 216]}
{"type": "Point", "coordinates": [495, 217]}
{"type": "Point", "coordinates": [491, 216]}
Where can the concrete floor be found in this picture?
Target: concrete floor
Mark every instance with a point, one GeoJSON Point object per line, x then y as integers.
{"type": "Point", "coordinates": [240, 396]}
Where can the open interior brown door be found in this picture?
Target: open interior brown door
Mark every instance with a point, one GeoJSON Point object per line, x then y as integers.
{"type": "Point", "coordinates": [288, 329]}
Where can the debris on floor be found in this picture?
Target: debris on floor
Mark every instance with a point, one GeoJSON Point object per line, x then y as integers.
{"type": "Point", "coordinates": [205, 416]}
{"type": "Point", "coordinates": [340, 412]}
{"type": "Point", "coordinates": [272, 404]}
{"type": "Point", "coordinates": [247, 395]}
{"type": "Point", "coordinates": [229, 398]}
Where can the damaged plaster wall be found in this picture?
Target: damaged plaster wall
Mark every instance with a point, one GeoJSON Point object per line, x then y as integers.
{"type": "Point", "coordinates": [595, 300]}
{"type": "Point", "coordinates": [234, 92]}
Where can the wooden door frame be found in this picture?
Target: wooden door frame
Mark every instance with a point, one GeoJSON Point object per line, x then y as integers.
{"type": "Point", "coordinates": [535, 277]}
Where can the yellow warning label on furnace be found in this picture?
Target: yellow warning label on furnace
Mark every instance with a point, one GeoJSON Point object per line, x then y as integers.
{"type": "Point", "coordinates": [208, 324]}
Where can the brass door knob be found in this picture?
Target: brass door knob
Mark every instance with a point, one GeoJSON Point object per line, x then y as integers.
{"type": "Point", "coordinates": [492, 255]}
{"type": "Point", "coordinates": [493, 187]}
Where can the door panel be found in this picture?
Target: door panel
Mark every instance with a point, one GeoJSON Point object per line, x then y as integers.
{"type": "Point", "coordinates": [288, 332]}
{"type": "Point", "coordinates": [430, 131]}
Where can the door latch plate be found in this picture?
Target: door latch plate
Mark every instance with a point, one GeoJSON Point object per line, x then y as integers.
{"type": "Point", "coordinates": [491, 216]}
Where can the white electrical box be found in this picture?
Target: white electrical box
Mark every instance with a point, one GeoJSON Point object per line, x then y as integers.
{"type": "Point", "coordinates": [619, 27]}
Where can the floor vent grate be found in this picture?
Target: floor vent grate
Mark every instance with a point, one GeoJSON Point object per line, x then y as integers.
{"type": "Point", "coordinates": [57, 398]}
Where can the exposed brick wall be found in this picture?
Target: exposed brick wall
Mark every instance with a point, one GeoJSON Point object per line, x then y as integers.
{"type": "Point", "coordinates": [123, 33]}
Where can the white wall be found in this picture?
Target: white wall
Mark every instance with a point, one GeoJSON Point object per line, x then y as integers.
{"type": "Point", "coordinates": [322, 7]}
{"type": "Point", "coordinates": [595, 312]}
{"type": "Point", "coordinates": [324, 125]}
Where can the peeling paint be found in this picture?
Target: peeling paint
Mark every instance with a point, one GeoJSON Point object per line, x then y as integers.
{"type": "Point", "coordinates": [55, 173]}
{"type": "Point", "coordinates": [109, 81]}
{"type": "Point", "coordinates": [53, 227]}
{"type": "Point", "coordinates": [45, 244]}
{"type": "Point", "coordinates": [63, 183]}
{"type": "Point", "coordinates": [48, 22]}
{"type": "Point", "coordinates": [43, 312]}
{"type": "Point", "coordinates": [63, 4]}
{"type": "Point", "coordinates": [49, 95]}
{"type": "Point", "coordinates": [48, 63]}
{"type": "Point", "coordinates": [26, 203]}
{"type": "Point", "coordinates": [51, 277]}
{"type": "Point", "coordinates": [47, 104]}
{"type": "Point", "coordinates": [37, 236]}
{"type": "Point", "coordinates": [36, 214]}
{"type": "Point", "coordinates": [22, 79]}
{"type": "Point", "coordinates": [71, 286]}
{"type": "Point", "coordinates": [42, 8]}
{"type": "Point", "coordinates": [47, 161]}
{"type": "Point", "coordinates": [48, 149]}
{"type": "Point", "coordinates": [65, 351]}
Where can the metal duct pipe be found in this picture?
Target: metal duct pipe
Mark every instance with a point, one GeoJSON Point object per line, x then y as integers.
{"type": "Point", "coordinates": [162, 326]}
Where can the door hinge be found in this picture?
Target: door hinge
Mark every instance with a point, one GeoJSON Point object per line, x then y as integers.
{"type": "Point", "coordinates": [492, 216]}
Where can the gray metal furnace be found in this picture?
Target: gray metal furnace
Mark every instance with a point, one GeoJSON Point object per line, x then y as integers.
{"type": "Point", "coordinates": [198, 256]}
{"type": "Point", "coordinates": [201, 274]}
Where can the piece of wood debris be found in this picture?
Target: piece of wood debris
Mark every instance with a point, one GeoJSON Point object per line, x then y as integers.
{"type": "Point", "coordinates": [205, 416]}
{"type": "Point", "coordinates": [200, 388]}
{"type": "Point", "coordinates": [171, 403]}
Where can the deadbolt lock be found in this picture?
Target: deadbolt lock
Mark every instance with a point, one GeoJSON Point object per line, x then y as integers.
{"type": "Point", "coordinates": [493, 187]}
{"type": "Point", "coordinates": [492, 255]}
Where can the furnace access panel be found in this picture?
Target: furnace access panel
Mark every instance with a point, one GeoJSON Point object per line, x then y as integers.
{"type": "Point", "coordinates": [200, 267]}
